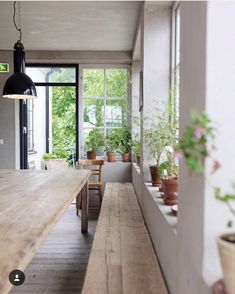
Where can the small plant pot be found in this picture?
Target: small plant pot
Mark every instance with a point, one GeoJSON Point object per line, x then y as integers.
{"type": "Point", "coordinates": [155, 175]}
{"type": "Point", "coordinates": [91, 155]}
{"type": "Point", "coordinates": [170, 187]}
{"type": "Point", "coordinates": [111, 156]}
{"type": "Point", "coordinates": [226, 244]}
{"type": "Point", "coordinates": [125, 157]}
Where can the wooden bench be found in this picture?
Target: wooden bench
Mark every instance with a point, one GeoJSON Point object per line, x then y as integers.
{"type": "Point", "coordinates": [122, 258]}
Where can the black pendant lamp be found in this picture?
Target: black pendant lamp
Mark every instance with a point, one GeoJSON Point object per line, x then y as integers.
{"type": "Point", "coordinates": [19, 85]}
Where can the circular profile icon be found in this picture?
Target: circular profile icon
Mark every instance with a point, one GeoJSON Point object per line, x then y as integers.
{"type": "Point", "coordinates": [17, 277]}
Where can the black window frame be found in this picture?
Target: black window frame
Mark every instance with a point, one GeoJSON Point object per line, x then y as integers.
{"type": "Point", "coordinates": [59, 84]}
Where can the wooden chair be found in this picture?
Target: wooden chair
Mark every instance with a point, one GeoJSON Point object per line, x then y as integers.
{"type": "Point", "coordinates": [96, 181]}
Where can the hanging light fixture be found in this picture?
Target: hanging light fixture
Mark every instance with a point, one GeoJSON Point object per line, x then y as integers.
{"type": "Point", "coordinates": [19, 85]}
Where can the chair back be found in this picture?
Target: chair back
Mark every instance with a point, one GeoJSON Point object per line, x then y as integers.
{"type": "Point", "coordinates": [94, 165]}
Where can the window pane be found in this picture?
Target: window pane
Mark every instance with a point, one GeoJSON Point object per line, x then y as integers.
{"type": "Point", "coordinates": [63, 102]}
{"type": "Point", "coordinates": [30, 123]}
{"type": "Point", "coordinates": [85, 135]}
{"type": "Point", "coordinates": [52, 74]}
{"type": "Point", "coordinates": [93, 113]}
{"type": "Point", "coordinates": [115, 114]}
{"type": "Point", "coordinates": [30, 140]}
{"type": "Point", "coordinates": [93, 83]}
{"type": "Point", "coordinates": [116, 83]}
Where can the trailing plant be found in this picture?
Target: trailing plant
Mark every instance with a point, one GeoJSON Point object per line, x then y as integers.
{"type": "Point", "coordinates": [196, 145]}
{"type": "Point", "coordinates": [197, 142]}
{"type": "Point", "coordinates": [95, 140]}
{"type": "Point", "coordinates": [226, 198]}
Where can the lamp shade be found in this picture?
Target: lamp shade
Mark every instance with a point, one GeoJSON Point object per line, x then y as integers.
{"type": "Point", "coordinates": [19, 86]}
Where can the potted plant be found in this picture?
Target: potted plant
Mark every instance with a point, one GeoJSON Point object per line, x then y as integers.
{"type": "Point", "coordinates": [226, 244]}
{"type": "Point", "coordinates": [162, 133]}
{"type": "Point", "coordinates": [56, 159]}
{"type": "Point", "coordinates": [195, 146]}
{"type": "Point", "coordinates": [124, 143]}
{"type": "Point", "coordinates": [170, 177]}
{"type": "Point", "coordinates": [111, 145]}
{"type": "Point", "coordinates": [94, 141]}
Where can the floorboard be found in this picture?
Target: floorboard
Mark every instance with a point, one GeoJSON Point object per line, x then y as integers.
{"type": "Point", "coordinates": [60, 264]}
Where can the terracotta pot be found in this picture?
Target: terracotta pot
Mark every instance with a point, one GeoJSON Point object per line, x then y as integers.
{"type": "Point", "coordinates": [125, 157]}
{"type": "Point", "coordinates": [156, 179]}
{"type": "Point", "coordinates": [91, 155]}
{"type": "Point", "coordinates": [170, 187]}
{"type": "Point", "coordinates": [111, 156]}
{"type": "Point", "coordinates": [226, 244]}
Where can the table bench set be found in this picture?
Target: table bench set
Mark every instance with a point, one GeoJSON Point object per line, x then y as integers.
{"type": "Point", "coordinates": [122, 258]}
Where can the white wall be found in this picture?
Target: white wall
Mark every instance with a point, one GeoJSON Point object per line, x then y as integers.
{"type": "Point", "coordinates": [207, 79]}
{"type": "Point", "coordinates": [191, 192]}
{"type": "Point", "coordinates": [9, 120]}
{"type": "Point", "coordinates": [220, 105]}
{"type": "Point", "coordinates": [39, 129]}
{"type": "Point", "coordinates": [156, 63]}
{"type": "Point", "coordinates": [135, 87]}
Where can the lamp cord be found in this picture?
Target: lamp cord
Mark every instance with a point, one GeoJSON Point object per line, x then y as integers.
{"type": "Point", "coordinates": [14, 20]}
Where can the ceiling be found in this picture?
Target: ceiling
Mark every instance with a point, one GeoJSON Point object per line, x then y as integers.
{"type": "Point", "coordinates": [71, 25]}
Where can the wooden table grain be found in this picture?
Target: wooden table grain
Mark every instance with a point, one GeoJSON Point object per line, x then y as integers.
{"type": "Point", "coordinates": [31, 203]}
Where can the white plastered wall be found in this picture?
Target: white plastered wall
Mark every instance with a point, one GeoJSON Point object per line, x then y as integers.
{"type": "Point", "coordinates": [156, 64]}
{"type": "Point", "coordinates": [9, 120]}
{"type": "Point", "coordinates": [220, 105]}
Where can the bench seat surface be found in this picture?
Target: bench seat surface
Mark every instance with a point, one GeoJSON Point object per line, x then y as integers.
{"type": "Point", "coordinates": [122, 258]}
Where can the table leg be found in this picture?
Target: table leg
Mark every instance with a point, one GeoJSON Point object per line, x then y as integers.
{"type": "Point", "coordinates": [84, 212]}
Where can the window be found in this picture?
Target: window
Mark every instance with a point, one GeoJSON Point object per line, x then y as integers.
{"type": "Point", "coordinates": [175, 55]}
{"type": "Point", "coordinates": [30, 118]}
{"type": "Point", "coordinates": [53, 114]}
{"type": "Point", "coordinates": [104, 96]}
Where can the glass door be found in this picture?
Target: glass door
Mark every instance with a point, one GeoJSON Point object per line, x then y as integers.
{"type": "Point", "coordinates": [54, 122]}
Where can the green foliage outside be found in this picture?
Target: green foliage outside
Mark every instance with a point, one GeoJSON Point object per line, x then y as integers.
{"type": "Point", "coordinates": [63, 113]}
{"type": "Point", "coordinates": [64, 107]}
{"type": "Point", "coordinates": [94, 105]}
{"type": "Point", "coordinates": [63, 118]}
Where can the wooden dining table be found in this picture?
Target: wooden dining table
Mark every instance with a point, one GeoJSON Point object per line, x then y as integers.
{"type": "Point", "coordinates": [31, 203]}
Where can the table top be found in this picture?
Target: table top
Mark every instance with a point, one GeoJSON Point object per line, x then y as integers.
{"type": "Point", "coordinates": [31, 202]}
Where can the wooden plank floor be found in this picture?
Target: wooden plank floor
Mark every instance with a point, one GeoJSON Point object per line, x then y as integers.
{"type": "Point", "coordinates": [60, 264]}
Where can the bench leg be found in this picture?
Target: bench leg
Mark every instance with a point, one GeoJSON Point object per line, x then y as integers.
{"type": "Point", "coordinates": [84, 213]}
